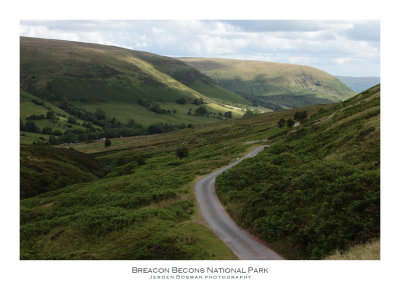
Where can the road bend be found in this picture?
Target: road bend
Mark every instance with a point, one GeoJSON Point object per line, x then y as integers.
{"type": "Point", "coordinates": [241, 242]}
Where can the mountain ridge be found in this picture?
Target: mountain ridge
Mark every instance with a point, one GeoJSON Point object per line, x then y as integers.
{"type": "Point", "coordinates": [126, 85]}
{"type": "Point", "coordinates": [279, 84]}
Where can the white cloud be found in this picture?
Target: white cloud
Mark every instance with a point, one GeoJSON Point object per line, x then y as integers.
{"type": "Point", "coordinates": [42, 31]}
{"type": "Point", "coordinates": [157, 30]}
{"type": "Point", "coordinates": [323, 44]}
{"type": "Point", "coordinates": [342, 60]}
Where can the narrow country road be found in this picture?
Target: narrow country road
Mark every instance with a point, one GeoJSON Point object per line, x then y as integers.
{"type": "Point", "coordinates": [242, 243]}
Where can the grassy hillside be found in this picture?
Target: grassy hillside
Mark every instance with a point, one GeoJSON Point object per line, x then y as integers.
{"type": "Point", "coordinates": [113, 79]}
{"type": "Point", "coordinates": [45, 123]}
{"type": "Point", "coordinates": [317, 183]}
{"type": "Point", "coordinates": [368, 251]}
{"type": "Point", "coordinates": [49, 120]}
{"type": "Point", "coordinates": [273, 85]}
{"type": "Point", "coordinates": [144, 208]}
{"type": "Point", "coordinates": [359, 84]}
{"type": "Point", "coordinates": [192, 78]}
{"type": "Point", "coordinates": [44, 169]}
{"type": "Point", "coordinates": [316, 189]}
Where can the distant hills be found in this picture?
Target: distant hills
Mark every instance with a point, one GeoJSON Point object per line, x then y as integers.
{"type": "Point", "coordinates": [79, 91]}
{"type": "Point", "coordinates": [359, 84]}
{"type": "Point", "coordinates": [273, 85]}
{"type": "Point", "coordinates": [117, 79]}
{"type": "Point", "coordinates": [113, 92]}
{"type": "Point", "coordinates": [83, 72]}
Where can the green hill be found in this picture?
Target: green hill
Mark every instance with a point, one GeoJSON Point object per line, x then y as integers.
{"type": "Point", "coordinates": [273, 85]}
{"type": "Point", "coordinates": [144, 207]}
{"type": "Point", "coordinates": [46, 168]}
{"type": "Point", "coordinates": [316, 189]}
{"type": "Point", "coordinates": [51, 120]}
{"type": "Point", "coordinates": [125, 84]}
{"type": "Point", "coordinates": [192, 78]}
{"type": "Point", "coordinates": [134, 199]}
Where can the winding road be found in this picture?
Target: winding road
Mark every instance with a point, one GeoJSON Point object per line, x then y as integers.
{"type": "Point", "coordinates": [241, 242]}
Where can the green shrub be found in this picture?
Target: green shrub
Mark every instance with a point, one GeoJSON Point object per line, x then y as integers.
{"type": "Point", "coordinates": [182, 152]}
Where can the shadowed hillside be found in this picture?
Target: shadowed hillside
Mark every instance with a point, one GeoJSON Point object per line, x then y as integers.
{"type": "Point", "coordinates": [316, 189]}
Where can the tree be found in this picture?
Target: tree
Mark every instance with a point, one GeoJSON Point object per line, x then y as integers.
{"type": "Point", "coordinates": [114, 123]}
{"type": "Point", "coordinates": [143, 103]}
{"type": "Point", "coordinates": [57, 132]}
{"type": "Point", "coordinates": [155, 108]}
{"type": "Point", "coordinates": [248, 113]}
{"type": "Point", "coordinates": [153, 129]}
{"type": "Point", "coordinates": [82, 137]}
{"type": "Point", "coordinates": [198, 101]}
{"type": "Point", "coordinates": [201, 111]}
{"type": "Point", "coordinates": [100, 114]}
{"type": "Point", "coordinates": [69, 137]}
{"type": "Point", "coordinates": [290, 123]}
{"type": "Point", "coordinates": [132, 123]}
{"type": "Point", "coordinates": [228, 114]}
{"type": "Point", "coordinates": [72, 120]}
{"type": "Point", "coordinates": [182, 152]}
{"type": "Point", "coordinates": [30, 126]}
{"type": "Point", "coordinates": [107, 143]}
{"type": "Point", "coordinates": [47, 130]}
{"type": "Point", "coordinates": [181, 101]}
{"type": "Point", "coordinates": [281, 123]}
{"type": "Point", "coordinates": [52, 139]}
{"type": "Point", "coordinates": [300, 115]}
{"type": "Point", "coordinates": [50, 115]}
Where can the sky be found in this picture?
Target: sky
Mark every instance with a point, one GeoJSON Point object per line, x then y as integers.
{"type": "Point", "coordinates": [349, 48]}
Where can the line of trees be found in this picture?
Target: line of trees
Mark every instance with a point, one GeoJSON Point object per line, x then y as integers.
{"type": "Point", "coordinates": [195, 101]}
{"type": "Point", "coordinates": [154, 107]}
{"type": "Point", "coordinates": [298, 116]}
{"type": "Point", "coordinates": [112, 129]}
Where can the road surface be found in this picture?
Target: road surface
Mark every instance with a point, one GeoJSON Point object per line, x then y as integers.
{"type": "Point", "coordinates": [242, 243]}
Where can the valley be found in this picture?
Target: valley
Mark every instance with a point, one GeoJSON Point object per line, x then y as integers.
{"type": "Point", "coordinates": [170, 123]}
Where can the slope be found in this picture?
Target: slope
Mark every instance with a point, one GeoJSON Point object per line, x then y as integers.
{"type": "Point", "coordinates": [144, 208]}
{"type": "Point", "coordinates": [317, 188]}
{"type": "Point", "coordinates": [39, 119]}
{"type": "Point", "coordinates": [115, 79]}
{"type": "Point", "coordinates": [44, 169]}
{"type": "Point", "coordinates": [192, 78]}
{"type": "Point", "coordinates": [273, 85]}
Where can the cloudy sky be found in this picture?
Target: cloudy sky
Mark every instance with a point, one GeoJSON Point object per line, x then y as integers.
{"type": "Point", "coordinates": [350, 48]}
